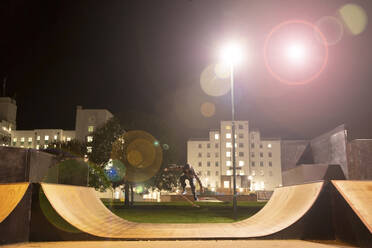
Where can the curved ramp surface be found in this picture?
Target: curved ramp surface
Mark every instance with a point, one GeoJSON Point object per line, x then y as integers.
{"type": "Point", "coordinates": [358, 194]}
{"type": "Point", "coordinates": [80, 207]}
{"type": "Point", "coordinates": [10, 195]}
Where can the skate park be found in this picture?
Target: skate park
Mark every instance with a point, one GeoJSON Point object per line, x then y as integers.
{"type": "Point", "coordinates": [318, 206]}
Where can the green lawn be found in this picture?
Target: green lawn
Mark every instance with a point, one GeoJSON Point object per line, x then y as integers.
{"type": "Point", "coordinates": [183, 212]}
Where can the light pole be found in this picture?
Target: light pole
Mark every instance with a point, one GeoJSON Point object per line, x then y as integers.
{"type": "Point", "coordinates": [231, 55]}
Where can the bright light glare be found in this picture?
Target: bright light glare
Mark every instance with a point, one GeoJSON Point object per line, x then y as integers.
{"type": "Point", "coordinates": [296, 52]}
{"type": "Point", "coordinates": [232, 54]}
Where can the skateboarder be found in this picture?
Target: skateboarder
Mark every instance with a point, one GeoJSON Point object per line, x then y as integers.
{"type": "Point", "coordinates": [188, 173]}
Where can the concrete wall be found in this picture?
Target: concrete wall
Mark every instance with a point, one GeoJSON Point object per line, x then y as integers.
{"type": "Point", "coordinates": [291, 152]}
{"type": "Point", "coordinates": [360, 159]}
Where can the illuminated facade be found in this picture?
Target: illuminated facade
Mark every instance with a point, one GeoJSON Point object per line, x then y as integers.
{"type": "Point", "coordinates": [258, 161]}
{"type": "Point", "coordinates": [8, 114]}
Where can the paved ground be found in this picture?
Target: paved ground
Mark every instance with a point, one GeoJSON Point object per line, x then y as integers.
{"type": "Point", "coordinates": [184, 244]}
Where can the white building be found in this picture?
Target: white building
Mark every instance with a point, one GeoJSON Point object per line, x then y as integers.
{"type": "Point", "coordinates": [258, 161]}
{"type": "Point", "coordinates": [8, 114]}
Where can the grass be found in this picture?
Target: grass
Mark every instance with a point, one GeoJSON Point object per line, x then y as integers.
{"type": "Point", "coordinates": [183, 212]}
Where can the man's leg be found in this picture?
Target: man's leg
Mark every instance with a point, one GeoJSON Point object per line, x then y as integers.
{"type": "Point", "coordinates": [192, 185]}
{"type": "Point", "coordinates": [183, 183]}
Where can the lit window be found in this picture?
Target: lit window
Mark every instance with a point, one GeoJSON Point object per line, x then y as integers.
{"type": "Point", "coordinates": [228, 136]}
{"type": "Point", "coordinates": [38, 138]}
{"type": "Point", "coordinates": [199, 145]}
{"type": "Point", "coordinates": [270, 163]}
{"type": "Point", "coordinates": [241, 173]}
{"type": "Point", "coordinates": [216, 145]}
{"type": "Point", "coordinates": [200, 164]}
{"type": "Point", "coordinates": [89, 138]}
{"type": "Point", "coordinates": [216, 136]}
{"type": "Point", "coordinates": [241, 163]}
{"type": "Point", "coordinates": [228, 163]}
{"type": "Point", "coordinates": [228, 127]}
{"type": "Point", "coordinates": [37, 147]}
{"type": "Point", "coordinates": [90, 129]}
{"type": "Point", "coordinates": [89, 149]}
{"type": "Point", "coordinates": [253, 172]}
{"type": "Point", "coordinates": [23, 139]}
{"type": "Point", "coordinates": [226, 184]}
{"type": "Point", "coordinates": [55, 137]}
{"type": "Point", "coordinates": [216, 163]}
{"type": "Point", "coordinates": [209, 164]}
{"type": "Point", "coordinates": [208, 145]}
{"type": "Point", "coordinates": [46, 137]}
{"type": "Point", "coordinates": [68, 139]}
{"type": "Point", "coordinates": [45, 146]}
{"type": "Point", "coordinates": [269, 145]}
{"type": "Point", "coordinates": [29, 139]}
{"type": "Point", "coordinates": [228, 154]}
{"type": "Point", "coordinates": [14, 139]}
{"type": "Point", "coordinates": [199, 154]}
{"type": "Point", "coordinates": [228, 145]}
{"type": "Point", "coordinates": [229, 172]}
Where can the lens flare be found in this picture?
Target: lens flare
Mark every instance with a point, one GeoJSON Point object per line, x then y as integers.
{"type": "Point", "coordinates": [296, 53]}
{"type": "Point", "coordinates": [208, 109]}
{"type": "Point", "coordinates": [222, 70]}
{"type": "Point", "coordinates": [332, 28]}
{"type": "Point", "coordinates": [213, 85]}
{"type": "Point", "coordinates": [165, 146]}
{"type": "Point", "coordinates": [354, 17]}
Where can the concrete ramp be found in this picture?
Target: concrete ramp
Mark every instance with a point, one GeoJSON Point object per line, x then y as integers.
{"type": "Point", "coordinates": [358, 194]}
{"type": "Point", "coordinates": [80, 207]}
{"type": "Point", "coordinates": [10, 195]}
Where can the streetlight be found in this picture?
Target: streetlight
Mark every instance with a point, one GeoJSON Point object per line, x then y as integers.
{"type": "Point", "coordinates": [231, 55]}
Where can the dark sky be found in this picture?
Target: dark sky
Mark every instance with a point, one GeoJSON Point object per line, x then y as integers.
{"type": "Point", "coordinates": [148, 56]}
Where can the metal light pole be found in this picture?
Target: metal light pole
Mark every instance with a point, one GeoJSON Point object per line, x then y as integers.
{"type": "Point", "coordinates": [233, 137]}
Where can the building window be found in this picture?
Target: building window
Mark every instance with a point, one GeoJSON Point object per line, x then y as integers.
{"type": "Point", "coordinates": [14, 139]}
{"type": "Point", "coordinates": [55, 137]}
{"type": "Point", "coordinates": [228, 163]}
{"type": "Point", "coordinates": [38, 138]}
{"type": "Point", "coordinates": [23, 139]}
{"type": "Point", "coordinates": [241, 126]}
{"type": "Point", "coordinates": [228, 127]}
{"type": "Point", "coordinates": [200, 146]}
{"type": "Point", "coordinates": [68, 139]}
{"type": "Point", "coordinates": [241, 136]}
{"type": "Point", "coordinates": [208, 145]}
{"type": "Point", "coordinates": [241, 154]}
{"type": "Point", "coordinates": [14, 143]}
{"type": "Point", "coordinates": [46, 137]}
{"type": "Point", "coordinates": [261, 163]}
{"type": "Point", "coordinates": [241, 173]}
{"type": "Point", "coordinates": [37, 147]}
{"type": "Point", "coordinates": [216, 136]}
{"type": "Point", "coordinates": [208, 155]}
{"type": "Point", "coordinates": [228, 145]}
{"type": "Point", "coordinates": [216, 163]}
{"type": "Point", "coordinates": [270, 173]}
{"type": "Point", "coordinates": [268, 145]}
{"type": "Point", "coordinates": [270, 155]}
{"type": "Point", "coordinates": [228, 136]}
{"type": "Point", "coordinates": [228, 154]}
{"type": "Point", "coordinates": [89, 138]}
{"type": "Point", "coordinates": [241, 145]}
{"type": "Point", "coordinates": [252, 145]}
{"type": "Point", "coordinates": [229, 172]}
{"type": "Point", "coordinates": [216, 145]}
{"type": "Point", "coordinates": [209, 164]}
{"type": "Point", "coordinates": [89, 149]}
{"type": "Point", "coordinates": [29, 139]}
{"type": "Point", "coordinates": [199, 155]}
{"type": "Point", "coordinates": [216, 173]}
{"type": "Point", "coordinates": [208, 173]}
{"type": "Point", "coordinates": [252, 154]}
{"type": "Point", "coordinates": [270, 163]}
{"type": "Point", "coordinates": [261, 154]}
{"type": "Point", "coordinates": [241, 163]}
{"type": "Point", "coordinates": [226, 184]}
{"type": "Point", "coordinates": [253, 172]}
{"type": "Point", "coordinates": [253, 163]}
{"type": "Point", "coordinates": [261, 146]}
{"type": "Point", "coordinates": [200, 164]}
{"type": "Point", "coordinates": [90, 129]}
{"type": "Point", "coordinates": [216, 155]}
{"type": "Point", "coordinates": [45, 146]}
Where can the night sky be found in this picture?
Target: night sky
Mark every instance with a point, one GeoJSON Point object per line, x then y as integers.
{"type": "Point", "coordinates": [148, 56]}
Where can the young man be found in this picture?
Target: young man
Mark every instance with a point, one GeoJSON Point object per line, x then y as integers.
{"type": "Point", "coordinates": [188, 173]}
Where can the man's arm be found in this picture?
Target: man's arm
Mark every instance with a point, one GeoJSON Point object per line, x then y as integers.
{"type": "Point", "coordinates": [198, 179]}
